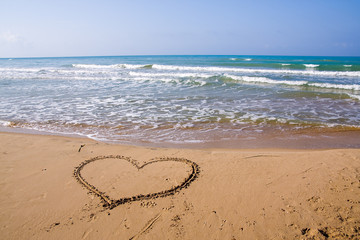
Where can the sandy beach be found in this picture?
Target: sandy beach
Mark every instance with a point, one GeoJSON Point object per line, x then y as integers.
{"type": "Point", "coordinates": [179, 120]}
{"type": "Point", "coordinates": [234, 194]}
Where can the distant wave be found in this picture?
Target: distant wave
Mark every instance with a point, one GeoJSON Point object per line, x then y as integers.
{"type": "Point", "coordinates": [92, 66]}
{"type": "Point", "coordinates": [347, 65]}
{"type": "Point", "coordinates": [285, 64]}
{"type": "Point", "coordinates": [147, 66]}
{"type": "Point", "coordinates": [311, 65]}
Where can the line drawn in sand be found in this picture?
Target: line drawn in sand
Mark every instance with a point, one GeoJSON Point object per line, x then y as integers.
{"type": "Point", "coordinates": [147, 226]}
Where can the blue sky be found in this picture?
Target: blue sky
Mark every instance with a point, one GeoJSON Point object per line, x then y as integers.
{"type": "Point", "coordinates": [40, 28]}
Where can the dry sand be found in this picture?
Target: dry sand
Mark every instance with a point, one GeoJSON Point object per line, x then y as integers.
{"type": "Point", "coordinates": [238, 194]}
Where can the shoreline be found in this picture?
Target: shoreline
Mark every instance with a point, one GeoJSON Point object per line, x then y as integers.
{"type": "Point", "coordinates": [237, 194]}
{"type": "Point", "coordinates": [336, 139]}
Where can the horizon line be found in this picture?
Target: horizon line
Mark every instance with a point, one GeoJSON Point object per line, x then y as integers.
{"type": "Point", "coordinates": [158, 55]}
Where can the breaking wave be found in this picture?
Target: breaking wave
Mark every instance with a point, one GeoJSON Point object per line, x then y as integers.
{"type": "Point", "coordinates": [224, 69]}
{"type": "Point", "coordinates": [311, 65]}
{"type": "Point", "coordinates": [265, 80]}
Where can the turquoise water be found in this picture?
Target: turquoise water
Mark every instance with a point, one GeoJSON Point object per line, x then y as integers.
{"type": "Point", "coordinates": [180, 99]}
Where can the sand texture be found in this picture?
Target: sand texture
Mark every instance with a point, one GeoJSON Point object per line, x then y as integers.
{"type": "Point", "coordinates": [51, 190]}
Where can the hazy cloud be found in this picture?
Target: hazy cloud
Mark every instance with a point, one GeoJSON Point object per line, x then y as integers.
{"type": "Point", "coordinates": [9, 37]}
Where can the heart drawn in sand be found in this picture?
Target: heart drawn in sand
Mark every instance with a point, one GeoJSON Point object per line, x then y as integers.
{"type": "Point", "coordinates": [110, 202]}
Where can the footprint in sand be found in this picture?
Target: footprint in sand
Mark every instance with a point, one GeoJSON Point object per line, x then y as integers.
{"type": "Point", "coordinates": [42, 196]}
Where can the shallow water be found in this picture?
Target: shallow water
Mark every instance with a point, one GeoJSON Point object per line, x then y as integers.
{"type": "Point", "coordinates": [181, 99]}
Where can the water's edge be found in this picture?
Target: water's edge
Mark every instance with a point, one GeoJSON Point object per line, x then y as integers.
{"type": "Point", "coordinates": [334, 140]}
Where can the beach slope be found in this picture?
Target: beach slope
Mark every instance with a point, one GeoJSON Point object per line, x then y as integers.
{"type": "Point", "coordinates": [230, 194]}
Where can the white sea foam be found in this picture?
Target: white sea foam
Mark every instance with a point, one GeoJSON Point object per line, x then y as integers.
{"type": "Point", "coordinates": [311, 65]}
{"type": "Point", "coordinates": [355, 87]}
{"type": "Point", "coordinates": [90, 66]}
{"type": "Point", "coordinates": [217, 70]}
{"type": "Point", "coordinates": [97, 66]}
{"type": "Point", "coordinates": [265, 80]}
{"type": "Point", "coordinates": [285, 64]}
{"type": "Point", "coordinates": [347, 65]}
{"type": "Point", "coordinates": [132, 66]}
{"type": "Point", "coordinates": [5, 123]}
{"type": "Point", "coordinates": [171, 74]}
{"type": "Point", "coordinates": [354, 96]}
{"type": "Point", "coordinates": [247, 70]}
{"type": "Point", "coordinates": [20, 69]}
{"type": "Point", "coordinates": [247, 59]}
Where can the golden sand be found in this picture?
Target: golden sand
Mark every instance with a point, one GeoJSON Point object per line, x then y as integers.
{"type": "Point", "coordinates": [233, 194]}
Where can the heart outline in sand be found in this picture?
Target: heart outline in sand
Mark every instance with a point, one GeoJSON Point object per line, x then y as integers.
{"type": "Point", "coordinates": [111, 203]}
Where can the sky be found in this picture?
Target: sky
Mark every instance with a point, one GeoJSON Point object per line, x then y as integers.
{"type": "Point", "coordinates": [43, 28]}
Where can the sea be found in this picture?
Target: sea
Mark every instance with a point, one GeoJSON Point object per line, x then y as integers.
{"type": "Point", "coordinates": [186, 101]}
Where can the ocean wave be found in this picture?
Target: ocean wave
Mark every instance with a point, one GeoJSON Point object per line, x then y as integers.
{"type": "Point", "coordinates": [226, 69]}
{"type": "Point", "coordinates": [354, 87]}
{"type": "Point", "coordinates": [177, 75]}
{"type": "Point", "coordinates": [265, 80]}
{"type": "Point", "coordinates": [285, 64]}
{"type": "Point", "coordinates": [265, 71]}
{"type": "Point", "coordinates": [347, 65]}
{"type": "Point", "coordinates": [167, 80]}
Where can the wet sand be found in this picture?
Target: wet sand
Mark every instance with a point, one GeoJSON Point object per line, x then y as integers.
{"type": "Point", "coordinates": [234, 193]}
